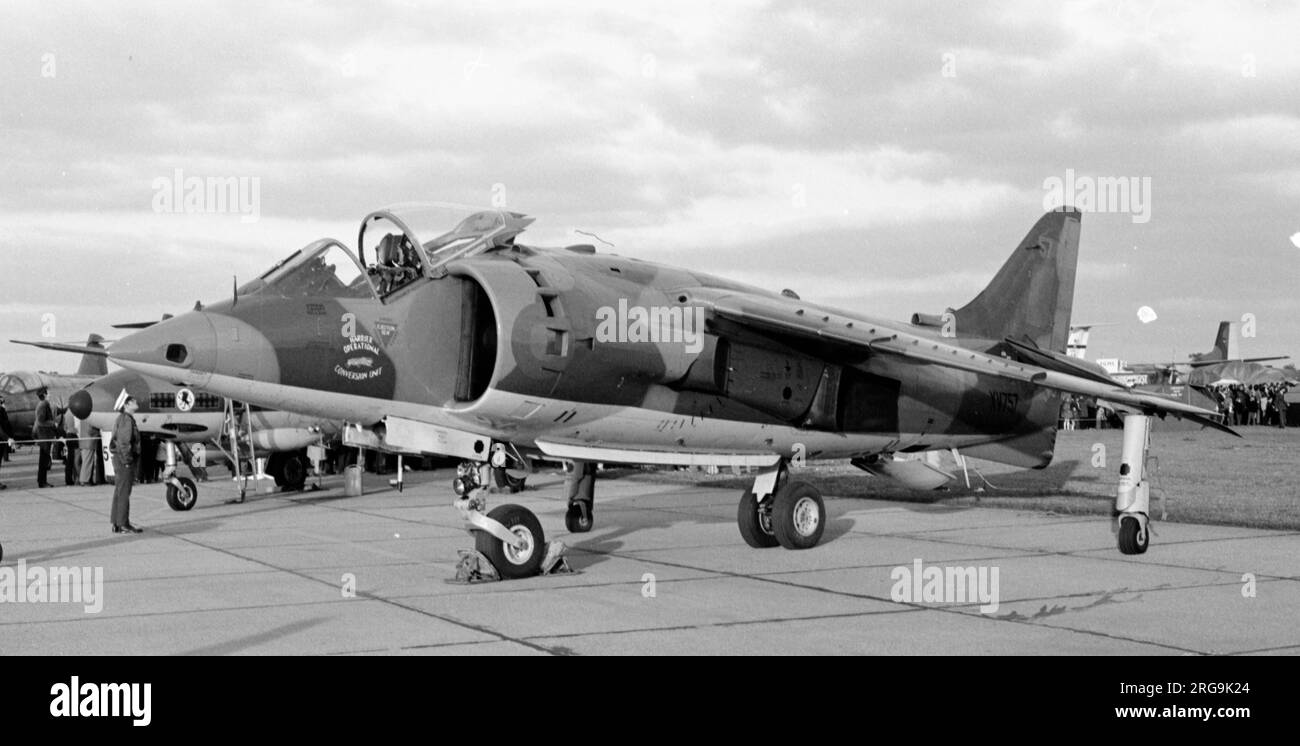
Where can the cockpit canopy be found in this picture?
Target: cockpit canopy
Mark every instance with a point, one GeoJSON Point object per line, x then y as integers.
{"type": "Point", "coordinates": [19, 383]}
{"type": "Point", "coordinates": [426, 225]}
{"type": "Point", "coordinates": [398, 247]}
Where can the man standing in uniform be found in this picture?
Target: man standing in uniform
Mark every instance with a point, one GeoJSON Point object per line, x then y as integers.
{"type": "Point", "coordinates": [46, 431]}
{"type": "Point", "coordinates": [6, 435]}
{"type": "Point", "coordinates": [125, 450]}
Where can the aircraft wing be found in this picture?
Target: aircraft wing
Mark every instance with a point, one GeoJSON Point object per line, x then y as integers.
{"type": "Point", "coordinates": [1207, 363]}
{"type": "Point", "coordinates": [788, 318]}
{"type": "Point", "coordinates": [80, 349]}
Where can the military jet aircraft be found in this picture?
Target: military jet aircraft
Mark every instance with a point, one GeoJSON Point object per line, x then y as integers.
{"type": "Point", "coordinates": [20, 387]}
{"type": "Point", "coordinates": [477, 346]}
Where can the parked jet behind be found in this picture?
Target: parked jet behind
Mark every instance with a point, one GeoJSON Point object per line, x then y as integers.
{"type": "Point", "coordinates": [469, 344]}
{"type": "Point", "coordinates": [174, 413]}
{"type": "Point", "coordinates": [20, 387]}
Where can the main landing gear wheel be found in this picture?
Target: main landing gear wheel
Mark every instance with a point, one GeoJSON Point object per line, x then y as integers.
{"type": "Point", "coordinates": [289, 469]}
{"type": "Point", "coordinates": [511, 562]}
{"type": "Point", "coordinates": [505, 482]}
{"type": "Point", "coordinates": [798, 515]}
{"type": "Point", "coordinates": [578, 519]}
{"type": "Point", "coordinates": [1132, 539]}
{"type": "Point", "coordinates": [755, 521]}
{"type": "Point", "coordinates": [183, 497]}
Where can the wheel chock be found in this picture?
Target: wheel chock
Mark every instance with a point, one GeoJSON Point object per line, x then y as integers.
{"type": "Point", "coordinates": [555, 563]}
{"type": "Point", "coordinates": [473, 567]}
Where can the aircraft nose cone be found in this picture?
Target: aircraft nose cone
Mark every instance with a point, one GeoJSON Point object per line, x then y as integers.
{"type": "Point", "coordinates": [191, 348]}
{"type": "Point", "coordinates": [81, 403]}
{"type": "Point", "coordinates": [183, 344]}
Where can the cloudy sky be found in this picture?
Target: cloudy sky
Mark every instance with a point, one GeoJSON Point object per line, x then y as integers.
{"type": "Point", "coordinates": [883, 158]}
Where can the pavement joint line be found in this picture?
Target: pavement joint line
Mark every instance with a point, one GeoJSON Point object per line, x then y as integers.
{"type": "Point", "coordinates": [101, 617]}
{"type": "Point", "coordinates": [1090, 553]}
{"type": "Point", "coordinates": [425, 646]}
{"type": "Point", "coordinates": [494, 589]}
{"type": "Point", "coordinates": [449, 620]}
{"type": "Point", "coordinates": [1266, 650]}
{"type": "Point", "coordinates": [1162, 588]}
{"type": "Point", "coordinates": [716, 625]}
{"type": "Point", "coordinates": [941, 609]}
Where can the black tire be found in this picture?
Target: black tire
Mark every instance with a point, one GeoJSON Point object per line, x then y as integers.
{"type": "Point", "coordinates": [755, 525]}
{"type": "Point", "coordinates": [184, 498]}
{"type": "Point", "coordinates": [798, 515]}
{"type": "Point", "coordinates": [1129, 528]}
{"type": "Point", "coordinates": [502, 478]}
{"type": "Point", "coordinates": [579, 520]}
{"type": "Point", "coordinates": [291, 473]}
{"type": "Point", "coordinates": [510, 564]}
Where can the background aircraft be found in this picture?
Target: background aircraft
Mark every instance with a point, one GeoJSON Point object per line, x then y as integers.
{"type": "Point", "coordinates": [172, 413]}
{"type": "Point", "coordinates": [1221, 363]}
{"type": "Point", "coordinates": [20, 387]}
{"type": "Point", "coordinates": [1225, 351]}
{"type": "Point", "coordinates": [489, 350]}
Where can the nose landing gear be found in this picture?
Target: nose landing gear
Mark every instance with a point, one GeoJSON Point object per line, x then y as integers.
{"type": "Point", "coordinates": [182, 494]}
{"type": "Point", "coordinates": [509, 538]}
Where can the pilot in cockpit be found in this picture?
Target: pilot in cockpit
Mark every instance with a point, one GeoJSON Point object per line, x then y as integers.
{"type": "Point", "coordinates": [395, 263]}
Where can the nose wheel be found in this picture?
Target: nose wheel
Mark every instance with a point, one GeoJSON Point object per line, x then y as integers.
{"type": "Point", "coordinates": [521, 558]}
{"type": "Point", "coordinates": [182, 494]}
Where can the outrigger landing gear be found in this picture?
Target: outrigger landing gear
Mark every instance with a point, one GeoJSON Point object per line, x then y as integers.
{"type": "Point", "coordinates": [182, 493]}
{"type": "Point", "coordinates": [1133, 502]}
{"type": "Point", "coordinates": [509, 537]}
{"type": "Point", "coordinates": [581, 489]}
{"type": "Point", "coordinates": [778, 511]}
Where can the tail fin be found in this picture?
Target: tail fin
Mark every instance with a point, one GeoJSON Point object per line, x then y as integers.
{"type": "Point", "coordinates": [1225, 345]}
{"type": "Point", "coordinates": [93, 365]}
{"type": "Point", "coordinates": [1031, 297]}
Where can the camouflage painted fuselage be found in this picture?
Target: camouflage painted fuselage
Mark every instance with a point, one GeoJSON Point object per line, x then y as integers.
{"type": "Point", "coordinates": [522, 344]}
